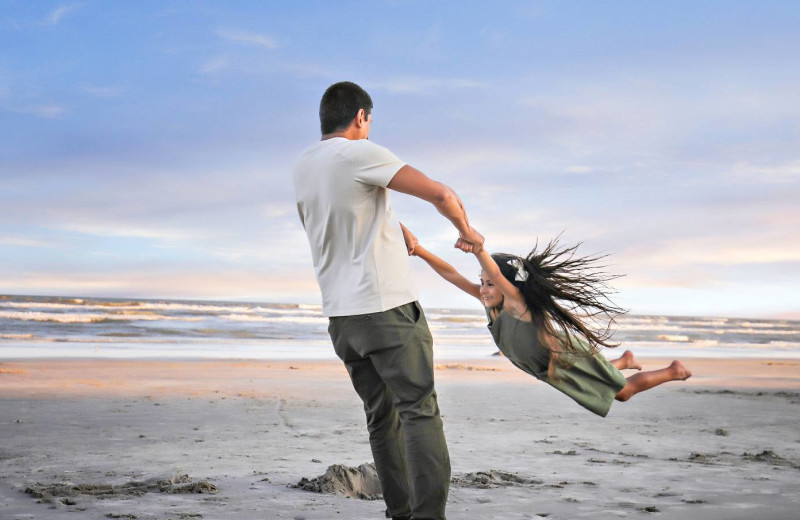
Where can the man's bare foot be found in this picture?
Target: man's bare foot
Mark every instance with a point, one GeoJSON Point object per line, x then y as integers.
{"type": "Point", "coordinates": [680, 372]}
{"type": "Point", "coordinates": [630, 362]}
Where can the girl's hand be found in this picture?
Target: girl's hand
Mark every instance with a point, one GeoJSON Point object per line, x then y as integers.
{"type": "Point", "coordinates": [411, 240]}
{"type": "Point", "coordinates": [468, 247]}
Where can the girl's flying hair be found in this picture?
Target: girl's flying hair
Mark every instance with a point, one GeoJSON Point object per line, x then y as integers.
{"type": "Point", "coordinates": [567, 297]}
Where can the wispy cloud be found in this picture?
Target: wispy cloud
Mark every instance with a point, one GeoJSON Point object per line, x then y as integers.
{"type": "Point", "coordinates": [117, 229]}
{"type": "Point", "coordinates": [213, 66]}
{"type": "Point", "coordinates": [45, 111]}
{"type": "Point", "coordinates": [248, 38]}
{"type": "Point", "coordinates": [778, 173]}
{"type": "Point", "coordinates": [25, 242]}
{"type": "Point", "coordinates": [420, 84]}
{"type": "Point", "coordinates": [211, 283]}
{"type": "Point", "coordinates": [578, 169]}
{"type": "Point", "coordinates": [56, 15]}
{"type": "Point", "coordinates": [31, 103]}
{"type": "Point", "coordinates": [102, 91]}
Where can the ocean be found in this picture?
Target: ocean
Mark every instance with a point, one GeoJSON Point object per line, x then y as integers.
{"type": "Point", "coordinates": [63, 327]}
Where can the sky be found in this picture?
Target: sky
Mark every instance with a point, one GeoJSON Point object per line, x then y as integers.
{"type": "Point", "coordinates": [147, 146]}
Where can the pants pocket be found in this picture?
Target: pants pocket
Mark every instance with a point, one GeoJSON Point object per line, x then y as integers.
{"type": "Point", "coordinates": [410, 311]}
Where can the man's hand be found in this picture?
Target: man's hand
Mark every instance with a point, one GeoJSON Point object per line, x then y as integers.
{"type": "Point", "coordinates": [470, 241]}
{"type": "Point", "coordinates": [411, 240]}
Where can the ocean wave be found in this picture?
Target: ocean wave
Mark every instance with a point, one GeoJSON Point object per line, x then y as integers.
{"type": "Point", "coordinates": [301, 312]}
{"type": "Point", "coordinates": [650, 326]}
{"type": "Point", "coordinates": [90, 318]}
{"type": "Point", "coordinates": [458, 319]}
{"type": "Point", "coordinates": [310, 307]}
{"type": "Point", "coordinates": [194, 307]}
{"type": "Point", "coordinates": [137, 306]}
{"type": "Point", "coordinates": [274, 319]}
{"type": "Point", "coordinates": [773, 332]}
{"type": "Point", "coordinates": [762, 325]}
{"type": "Point", "coordinates": [673, 337]}
{"type": "Point", "coordinates": [785, 344]}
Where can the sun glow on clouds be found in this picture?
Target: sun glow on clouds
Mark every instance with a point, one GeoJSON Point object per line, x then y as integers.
{"type": "Point", "coordinates": [292, 285]}
{"type": "Point", "coordinates": [681, 162]}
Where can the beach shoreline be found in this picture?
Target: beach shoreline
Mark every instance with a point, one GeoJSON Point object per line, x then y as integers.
{"type": "Point", "coordinates": [723, 444]}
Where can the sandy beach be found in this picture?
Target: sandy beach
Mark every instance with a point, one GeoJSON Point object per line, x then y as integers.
{"type": "Point", "coordinates": [101, 439]}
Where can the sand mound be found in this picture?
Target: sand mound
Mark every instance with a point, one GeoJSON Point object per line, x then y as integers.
{"type": "Point", "coordinates": [361, 482]}
{"type": "Point", "coordinates": [170, 484]}
{"type": "Point", "coordinates": [770, 457]}
{"type": "Point", "coordinates": [492, 479]}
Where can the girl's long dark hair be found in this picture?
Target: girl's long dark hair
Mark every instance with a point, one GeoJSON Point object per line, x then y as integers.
{"type": "Point", "coordinates": [568, 298]}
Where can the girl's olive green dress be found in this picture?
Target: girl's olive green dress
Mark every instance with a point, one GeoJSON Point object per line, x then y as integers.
{"type": "Point", "coordinates": [592, 381]}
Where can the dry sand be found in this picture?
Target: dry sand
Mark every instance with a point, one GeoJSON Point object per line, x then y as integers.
{"type": "Point", "coordinates": [227, 440]}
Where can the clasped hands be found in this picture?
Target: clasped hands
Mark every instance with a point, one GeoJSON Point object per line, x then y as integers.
{"type": "Point", "coordinates": [470, 242]}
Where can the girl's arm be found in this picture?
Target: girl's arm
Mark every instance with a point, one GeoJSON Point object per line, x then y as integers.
{"type": "Point", "coordinates": [448, 272]}
{"type": "Point", "coordinates": [513, 302]}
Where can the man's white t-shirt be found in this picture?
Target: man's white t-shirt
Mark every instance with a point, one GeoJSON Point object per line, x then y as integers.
{"type": "Point", "coordinates": [357, 246]}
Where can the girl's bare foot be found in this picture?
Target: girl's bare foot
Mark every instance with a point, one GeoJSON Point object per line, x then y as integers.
{"type": "Point", "coordinates": [629, 361]}
{"type": "Point", "coordinates": [679, 371]}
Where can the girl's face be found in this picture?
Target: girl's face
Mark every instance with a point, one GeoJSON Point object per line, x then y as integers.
{"type": "Point", "coordinates": [491, 295]}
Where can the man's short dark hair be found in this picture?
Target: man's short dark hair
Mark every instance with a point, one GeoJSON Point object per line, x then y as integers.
{"type": "Point", "coordinates": [340, 104]}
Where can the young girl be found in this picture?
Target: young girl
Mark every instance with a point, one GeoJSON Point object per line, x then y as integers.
{"type": "Point", "coordinates": [533, 305]}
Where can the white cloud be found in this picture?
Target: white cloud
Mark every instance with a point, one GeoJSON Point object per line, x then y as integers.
{"type": "Point", "coordinates": [248, 38]}
{"type": "Point", "coordinates": [56, 15]}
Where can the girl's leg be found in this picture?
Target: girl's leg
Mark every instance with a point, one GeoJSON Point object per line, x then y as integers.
{"type": "Point", "coordinates": [647, 380]}
{"type": "Point", "coordinates": [626, 361]}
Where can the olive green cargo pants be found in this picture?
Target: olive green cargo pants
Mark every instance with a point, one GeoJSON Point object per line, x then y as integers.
{"type": "Point", "coordinates": [389, 356]}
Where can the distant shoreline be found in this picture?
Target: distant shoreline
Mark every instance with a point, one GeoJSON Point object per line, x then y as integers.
{"type": "Point", "coordinates": [115, 328]}
{"type": "Point", "coordinates": [781, 316]}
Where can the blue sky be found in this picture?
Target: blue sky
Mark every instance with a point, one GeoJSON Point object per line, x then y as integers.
{"type": "Point", "coordinates": [147, 146]}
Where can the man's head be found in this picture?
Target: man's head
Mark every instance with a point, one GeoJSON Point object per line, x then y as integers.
{"type": "Point", "coordinates": [341, 104]}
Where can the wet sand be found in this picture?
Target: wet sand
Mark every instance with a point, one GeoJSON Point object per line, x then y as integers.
{"type": "Point", "coordinates": [228, 439]}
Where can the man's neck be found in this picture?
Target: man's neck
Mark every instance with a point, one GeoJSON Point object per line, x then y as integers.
{"type": "Point", "coordinates": [352, 133]}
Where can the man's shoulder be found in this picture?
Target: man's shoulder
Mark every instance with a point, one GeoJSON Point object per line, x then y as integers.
{"type": "Point", "coordinates": [356, 151]}
{"type": "Point", "coordinates": [355, 148]}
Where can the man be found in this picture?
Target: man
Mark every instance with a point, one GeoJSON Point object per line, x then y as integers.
{"type": "Point", "coordinates": [360, 254]}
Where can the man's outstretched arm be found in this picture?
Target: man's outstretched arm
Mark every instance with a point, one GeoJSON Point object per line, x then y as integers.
{"type": "Point", "coordinates": [411, 181]}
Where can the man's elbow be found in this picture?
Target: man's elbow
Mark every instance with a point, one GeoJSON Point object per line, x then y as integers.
{"type": "Point", "coordinates": [443, 196]}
